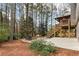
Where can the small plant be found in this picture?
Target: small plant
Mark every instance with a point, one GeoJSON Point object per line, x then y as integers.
{"type": "Point", "coordinates": [42, 46]}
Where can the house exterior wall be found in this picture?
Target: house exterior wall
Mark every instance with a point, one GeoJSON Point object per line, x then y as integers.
{"type": "Point", "coordinates": [65, 30]}
{"type": "Point", "coordinates": [63, 21]}
{"type": "Point", "coordinates": [73, 13]}
{"type": "Point", "coordinates": [77, 18]}
{"type": "Point", "coordinates": [77, 31]}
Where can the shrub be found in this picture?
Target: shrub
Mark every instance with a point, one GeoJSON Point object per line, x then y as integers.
{"type": "Point", "coordinates": [3, 37]}
{"type": "Point", "coordinates": [17, 35]}
{"type": "Point", "coordinates": [42, 46]}
{"type": "Point", "coordinates": [4, 32]}
{"type": "Point", "coordinates": [37, 45]}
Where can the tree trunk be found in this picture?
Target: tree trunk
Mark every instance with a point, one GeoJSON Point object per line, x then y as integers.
{"type": "Point", "coordinates": [51, 15]}
{"type": "Point", "coordinates": [1, 15]}
{"type": "Point", "coordinates": [13, 20]}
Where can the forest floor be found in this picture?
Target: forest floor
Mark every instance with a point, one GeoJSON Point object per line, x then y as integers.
{"type": "Point", "coordinates": [15, 48]}
{"type": "Point", "coordinates": [19, 48]}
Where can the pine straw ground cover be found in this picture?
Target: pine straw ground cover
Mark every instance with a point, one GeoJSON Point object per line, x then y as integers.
{"type": "Point", "coordinates": [19, 48]}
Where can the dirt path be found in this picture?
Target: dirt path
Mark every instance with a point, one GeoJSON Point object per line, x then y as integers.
{"type": "Point", "coordinates": [15, 48]}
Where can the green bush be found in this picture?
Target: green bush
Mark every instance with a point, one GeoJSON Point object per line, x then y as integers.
{"type": "Point", "coordinates": [3, 38]}
{"type": "Point", "coordinates": [17, 35]}
{"type": "Point", "coordinates": [4, 32]}
{"type": "Point", "coordinates": [42, 46]}
{"type": "Point", "coordinates": [37, 45]}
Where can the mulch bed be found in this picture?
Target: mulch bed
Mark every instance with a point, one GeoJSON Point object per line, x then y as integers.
{"type": "Point", "coordinates": [15, 48]}
{"type": "Point", "coordinates": [19, 48]}
{"type": "Point", "coordinates": [65, 52]}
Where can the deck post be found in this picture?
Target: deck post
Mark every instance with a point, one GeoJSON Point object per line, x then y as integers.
{"type": "Point", "coordinates": [69, 29]}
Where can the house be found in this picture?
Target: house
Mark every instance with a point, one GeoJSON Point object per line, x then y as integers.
{"type": "Point", "coordinates": [75, 17]}
{"type": "Point", "coordinates": [77, 22]}
{"type": "Point", "coordinates": [66, 28]}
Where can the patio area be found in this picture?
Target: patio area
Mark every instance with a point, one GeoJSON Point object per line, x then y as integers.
{"type": "Point", "coordinates": [68, 43]}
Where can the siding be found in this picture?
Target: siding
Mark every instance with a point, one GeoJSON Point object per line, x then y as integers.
{"type": "Point", "coordinates": [73, 14]}
{"type": "Point", "coordinates": [77, 18]}
{"type": "Point", "coordinates": [77, 31]}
